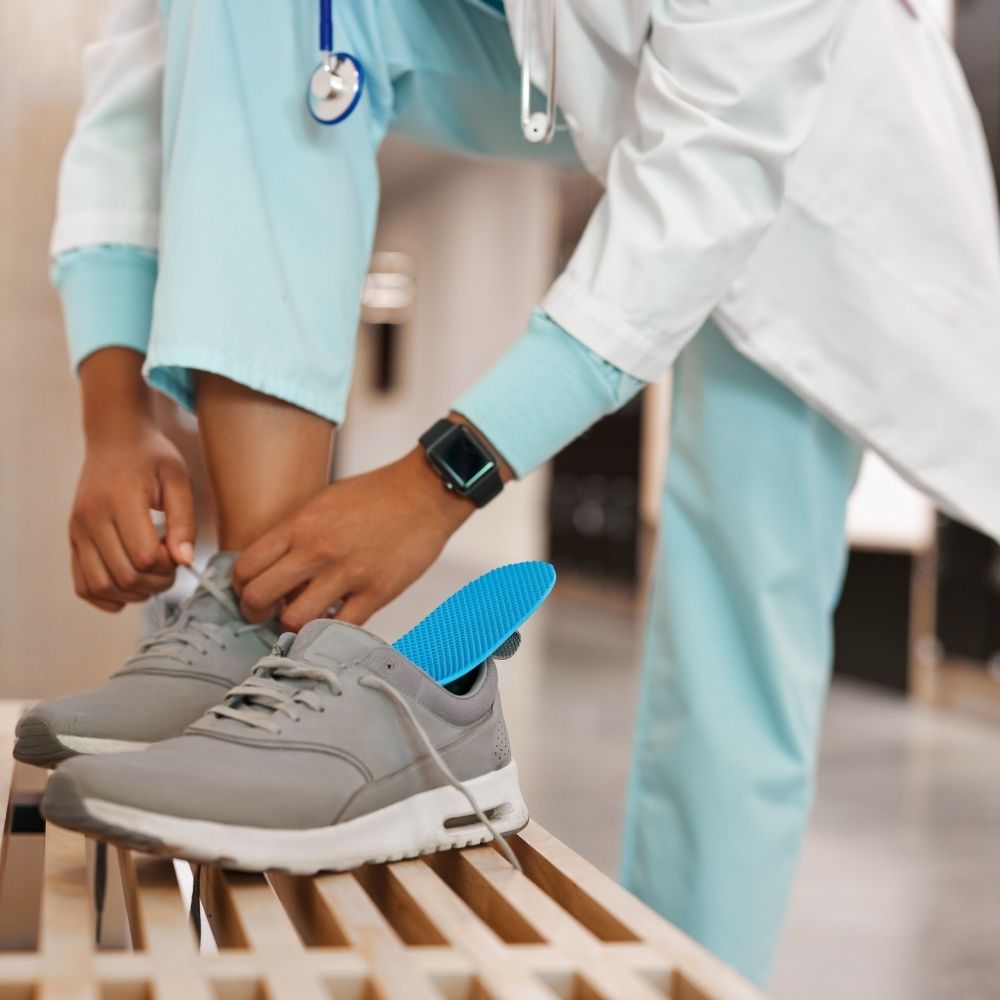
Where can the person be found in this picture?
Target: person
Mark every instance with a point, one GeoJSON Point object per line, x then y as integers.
{"type": "Point", "coordinates": [798, 216]}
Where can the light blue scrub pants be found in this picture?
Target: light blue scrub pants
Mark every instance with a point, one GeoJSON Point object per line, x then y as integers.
{"type": "Point", "coordinates": [738, 652]}
{"type": "Point", "coordinates": [268, 222]}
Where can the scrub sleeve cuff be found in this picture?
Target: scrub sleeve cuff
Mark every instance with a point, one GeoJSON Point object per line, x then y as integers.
{"type": "Point", "coordinates": [542, 394]}
{"type": "Point", "coordinates": [107, 297]}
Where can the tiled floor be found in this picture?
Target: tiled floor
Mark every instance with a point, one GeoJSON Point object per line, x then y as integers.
{"type": "Point", "coordinates": [898, 894]}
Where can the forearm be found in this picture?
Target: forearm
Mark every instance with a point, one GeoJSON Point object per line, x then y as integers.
{"type": "Point", "coordinates": [113, 393]}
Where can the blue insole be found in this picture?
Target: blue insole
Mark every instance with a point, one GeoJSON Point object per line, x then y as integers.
{"type": "Point", "coordinates": [477, 620]}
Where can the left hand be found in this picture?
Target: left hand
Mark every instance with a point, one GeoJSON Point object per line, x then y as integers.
{"type": "Point", "coordinates": [362, 541]}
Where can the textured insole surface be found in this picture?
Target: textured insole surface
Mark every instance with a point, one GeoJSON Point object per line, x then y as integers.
{"type": "Point", "coordinates": [475, 621]}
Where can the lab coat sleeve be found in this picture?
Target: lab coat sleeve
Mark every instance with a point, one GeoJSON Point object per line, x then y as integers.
{"type": "Point", "coordinates": [109, 182]}
{"type": "Point", "coordinates": [727, 91]}
{"type": "Point", "coordinates": [107, 217]}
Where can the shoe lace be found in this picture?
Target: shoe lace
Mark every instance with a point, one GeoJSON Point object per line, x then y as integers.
{"type": "Point", "coordinates": [170, 641]}
{"type": "Point", "coordinates": [264, 689]}
{"type": "Point", "coordinates": [501, 842]}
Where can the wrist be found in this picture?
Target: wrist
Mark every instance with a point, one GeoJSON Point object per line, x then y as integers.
{"type": "Point", "coordinates": [506, 474]}
{"type": "Point", "coordinates": [116, 400]}
{"type": "Point", "coordinates": [446, 508]}
{"type": "Point", "coordinates": [117, 423]}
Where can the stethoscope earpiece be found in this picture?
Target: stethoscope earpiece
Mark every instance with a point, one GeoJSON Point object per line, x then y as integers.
{"type": "Point", "coordinates": [336, 84]}
{"type": "Point", "coordinates": [537, 127]}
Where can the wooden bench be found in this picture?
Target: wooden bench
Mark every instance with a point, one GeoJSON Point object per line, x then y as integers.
{"type": "Point", "coordinates": [459, 925]}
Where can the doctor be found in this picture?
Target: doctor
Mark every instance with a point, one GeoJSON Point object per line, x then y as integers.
{"type": "Point", "coordinates": [798, 215]}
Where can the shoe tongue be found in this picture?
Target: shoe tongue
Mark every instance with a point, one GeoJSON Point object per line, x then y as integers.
{"type": "Point", "coordinates": [328, 643]}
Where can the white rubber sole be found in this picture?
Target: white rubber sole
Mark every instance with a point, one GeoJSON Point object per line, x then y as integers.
{"type": "Point", "coordinates": [405, 829]}
{"type": "Point", "coordinates": [94, 745]}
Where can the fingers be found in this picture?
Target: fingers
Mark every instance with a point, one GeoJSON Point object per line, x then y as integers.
{"type": "Point", "coordinates": [82, 590]}
{"type": "Point", "coordinates": [358, 608]}
{"type": "Point", "coordinates": [265, 552]}
{"type": "Point", "coordinates": [134, 584]}
{"type": "Point", "coordinates": [178, 506]}
{"type": "Point", "coordinates": [104, 571]}
{"type": "Point", "coordinates": [142, 544]}
{"type": "Point", "coordinates": [92, 580]}
{"type": "Point", "coordinates": [316, 599]}
{"type": "Point", "coordinates": [260, 596]}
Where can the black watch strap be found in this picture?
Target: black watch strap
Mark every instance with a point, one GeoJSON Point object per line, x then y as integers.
{"type": "Point", "coordinates": [483, 490]}
{"type": "Point", "coordinates": [488, 488]}
{"type": "Point", "coordinates": [436, 432]}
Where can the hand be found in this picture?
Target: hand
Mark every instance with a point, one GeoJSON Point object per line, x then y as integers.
{"type": "Point", "coordinates": [362, 541]}
{"type": "Point", "coordinates": [117, 556]}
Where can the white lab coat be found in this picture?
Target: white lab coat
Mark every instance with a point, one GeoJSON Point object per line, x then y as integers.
{"type": "Point", "coordinates": [813, 171]}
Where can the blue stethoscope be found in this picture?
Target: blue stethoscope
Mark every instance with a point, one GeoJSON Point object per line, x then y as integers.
{"type": "Point", "coordinates": [337, 82]}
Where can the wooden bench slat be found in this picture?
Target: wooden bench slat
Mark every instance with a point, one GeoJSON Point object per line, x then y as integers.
{"type": "Point", "coordinates": [250, 902]}
{"type": "Point", "coordinates": [66, 935]}
{"type": "Point", "coordinates": [365, 928]}
{"type": "Point", "coordinates": [160, 926]}
{"type": "Point", "coordinates": [158, 917]}
{"type": "Point", "coordinates": [10, 712]}
{"type": "Point", "coordinates": [265, 923]}
{"type": "Point", "coordinates": [555, 867]}
{"type": "Point", "coordinates": [493, 876]}
{"type": "Point", "coordinates": [503, 977]}
{"type": "Point", "coordinates": [495, 909]}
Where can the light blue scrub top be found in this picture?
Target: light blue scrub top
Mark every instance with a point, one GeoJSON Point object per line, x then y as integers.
{"type": "Point", "coordinates": [538, 398]}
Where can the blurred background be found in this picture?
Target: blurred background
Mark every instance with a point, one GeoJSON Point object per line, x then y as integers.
{"type": "Point", "coordinates": [898, 893]}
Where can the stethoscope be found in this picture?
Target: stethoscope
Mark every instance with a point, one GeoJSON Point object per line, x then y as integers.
{"type": "Point", "coordinates": [336, 85]}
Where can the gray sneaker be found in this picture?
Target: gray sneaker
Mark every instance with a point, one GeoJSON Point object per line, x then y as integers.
{"type": "Point", "coordinates": [180, 671]}
{"type": "Point", "coordinates": [337, 751]}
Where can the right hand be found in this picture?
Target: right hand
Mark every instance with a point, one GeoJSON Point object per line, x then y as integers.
{"type": "Point", "coordinates": [117, 555]}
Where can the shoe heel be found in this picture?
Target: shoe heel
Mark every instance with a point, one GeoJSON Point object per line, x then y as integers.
{"type": "Point", "coordinates": [499, 796]}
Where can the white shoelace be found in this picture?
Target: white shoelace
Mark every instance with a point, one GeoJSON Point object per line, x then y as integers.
{"type": "Point", "coordinates": [261, 691]}
{"type": "Point", "coordinates": [380, 685]}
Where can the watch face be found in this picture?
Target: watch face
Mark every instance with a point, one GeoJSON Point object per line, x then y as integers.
{"type": "Point", "coordinates": [463, 459]}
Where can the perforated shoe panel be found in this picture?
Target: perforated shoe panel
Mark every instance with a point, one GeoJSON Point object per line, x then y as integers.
{"type": "Point", "coordinates": [475, 621]}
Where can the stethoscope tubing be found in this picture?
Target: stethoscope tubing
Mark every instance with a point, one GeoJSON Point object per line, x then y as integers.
{"type": "Point", "coordinates": [326, 25]}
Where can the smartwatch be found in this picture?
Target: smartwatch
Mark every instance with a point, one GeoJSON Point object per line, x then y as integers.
{"type": "Point", "coordinates": [459, 456]}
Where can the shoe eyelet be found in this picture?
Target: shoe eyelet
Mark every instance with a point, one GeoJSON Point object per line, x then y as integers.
{"type": "Point", "coordinates": [389, 666]}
